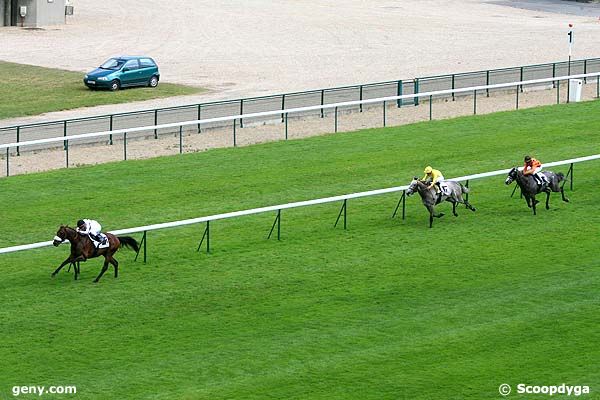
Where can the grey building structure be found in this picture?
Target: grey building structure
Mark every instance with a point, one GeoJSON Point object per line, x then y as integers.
{"type": "Point", "coordinates": [36, 13]}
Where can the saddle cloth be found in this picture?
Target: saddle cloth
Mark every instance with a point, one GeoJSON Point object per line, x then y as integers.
{"type": "Point", "coordinates": [444, 188]}
{"type": "Point", "coordinates": [103, 243]}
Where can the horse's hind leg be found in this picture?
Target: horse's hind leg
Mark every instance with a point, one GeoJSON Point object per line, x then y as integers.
{"type": "Point", "coordinates": [562, 193]}
{"type": "Point", "coordinates": [115, 264]}
{"type": "Point", "coordinates": [470, 206]}
{"type": "Point", "coordinates": [454, 209]}
{"type": "Point", "coordinates": [104, 268]}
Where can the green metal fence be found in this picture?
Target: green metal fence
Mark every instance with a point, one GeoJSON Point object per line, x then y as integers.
{"type": "Point", "coordinates": [158, 116]}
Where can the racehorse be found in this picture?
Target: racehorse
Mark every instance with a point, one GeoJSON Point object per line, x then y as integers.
{"type": "Point", "coordinates": [83, 248]}
{"type": "Point", "coordinates": [430, 198]}
{"type": "Point", "coordinates": [530, 188]}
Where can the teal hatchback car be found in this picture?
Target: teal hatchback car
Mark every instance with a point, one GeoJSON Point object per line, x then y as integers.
{"type": "Point", "coordinates": [126, 71]}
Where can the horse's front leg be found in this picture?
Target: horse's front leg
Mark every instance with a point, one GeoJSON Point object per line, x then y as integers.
{"type": "Point", "coordinates": [533, 203]}
{"type": "Point", "coordinates": [431, 212]}
{"type": "Point", "coordinates": [67, 261]}
{"type": "Point", "coordinates": [547, 199]}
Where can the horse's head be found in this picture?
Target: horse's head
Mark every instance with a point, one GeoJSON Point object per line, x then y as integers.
{"type": "Point", "coordinates": [512, 175]}
{"type": "Point", "coordinates": [413, 187]}
{"type": "Point", "coordinates": [61, 235]}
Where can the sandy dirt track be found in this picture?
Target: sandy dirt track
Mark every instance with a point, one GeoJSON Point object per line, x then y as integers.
{"type": "Point", "coordinates": [243, 48]}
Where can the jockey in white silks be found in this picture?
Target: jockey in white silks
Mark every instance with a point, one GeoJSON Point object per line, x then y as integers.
{"type": "Point", "coordinates": [92, 228]}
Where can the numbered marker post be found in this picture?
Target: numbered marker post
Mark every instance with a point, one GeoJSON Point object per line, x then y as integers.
{"type": "Point", "coordinates": [571, 40]}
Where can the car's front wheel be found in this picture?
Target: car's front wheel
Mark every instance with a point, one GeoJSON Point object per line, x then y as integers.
{"type": "Point", "coordinates": [115, 85]}
{"type": "Point", "coordinates": [153, 82]}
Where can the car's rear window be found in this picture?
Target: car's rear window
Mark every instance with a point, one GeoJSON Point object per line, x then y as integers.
{"type": "Point", "coordinates": [113, 63]}
{"type": "Point", "coordinates": [146, 62]}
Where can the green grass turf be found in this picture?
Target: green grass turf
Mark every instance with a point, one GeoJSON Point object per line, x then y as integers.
{"type": "Point", "coordinates": [31, 90]}
{"type": "Point", "coordinates": [388, 309]}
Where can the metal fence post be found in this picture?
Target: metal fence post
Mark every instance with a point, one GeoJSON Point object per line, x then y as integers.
{"type": "Point", "coordinates": [558, 92]}
{"type": "Point", "coordinates": [142, 247]}
{"type": "Point", "coordinates": [517, 106]}
{"type": "Point", "coordinates": [283, 107]}
{"type": "Point", "coordinates": [487, 82]}
{"type": "Point", "coordinates": [430, 107]}
{"type": "Point", "coordinates": [399, 92]}
{"type": "Point", "coordinates": [241, 112]}
{"type": "Point", "coordinates": [571, 179]}
{"type": "Point", "coordinates": [234, 138]}
{"type": "Point", "coordinates": [322, 102]}
{"type": "Point", "coordinates": [7, 162]}
{"type": "Point", "coordinates": [286, 126]}
{"type": "Point", "coordinates": [335, 119]}
{"type": "Point", "coordinates": [156, 123]}
{"type": "Point", "coordinates": [18, 138]}
{"type": "Point", "coordinates": [199, 117]}
{"type": "Point", "coordinates": [65, 133]}
{"type": "Point", "coordinates": [585, 70]}
{"type": "Point", "coordinates": [124, 145]}
{"type": "Point", "coordinates": [474, 102]}
{"type": "Point", "coordinates": [180, 139]}
{"type": "Point", "coordinates": [553, 73]}
{"type": "Point", "coordinates": [110, 128]}
{"type": "Point", "coordinates": [384, 114]}
{"type": "Point", "coordinates": [342, 210]}
{"type": "Point", "coordinates": [521, 78]}
{"type": "Point", "coordinates": [416, 98]}
{"type": "Point", "coordinates": [207, 236]}
{"type": "Point", "coordinates": [67, 153]}
{"type": "Point", "coordinates": [360, 97]}
{"type": "Point", "coordinates": [278, 222]}
{"type": "Point", "coordinates": [453, 88]}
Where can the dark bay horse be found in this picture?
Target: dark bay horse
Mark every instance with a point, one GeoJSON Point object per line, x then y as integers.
{"type": "Point", "coordinates": [430, 197]}
{"type": "Point", "coordinates": [530, 188]}
{"type": "Point", "coordinates": [83, 248]}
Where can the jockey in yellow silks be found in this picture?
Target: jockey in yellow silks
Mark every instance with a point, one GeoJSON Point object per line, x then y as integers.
{"type": "Point", "coordinates": [436, 178]}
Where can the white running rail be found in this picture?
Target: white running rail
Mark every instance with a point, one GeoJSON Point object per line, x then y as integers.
{"type": "Point", "coordinates": [7, 146]}
{"type": "Point", "coordinates": [291, 205]}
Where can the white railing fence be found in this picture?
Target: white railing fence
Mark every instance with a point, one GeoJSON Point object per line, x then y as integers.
{"type": "Point", "coordinates": [5, 148]}
{"type": "Point", "coordinates": [280, 207]}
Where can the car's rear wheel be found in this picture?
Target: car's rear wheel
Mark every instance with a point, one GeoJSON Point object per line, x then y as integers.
{"type": "Point", "coordinates": [115, 85]}
{"type": "Point", "coordinates": [153, 82]}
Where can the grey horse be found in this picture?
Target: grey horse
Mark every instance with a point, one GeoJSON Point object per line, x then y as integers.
{"type": "Point", "coordinates": [530, 188]}
{"type": "Point", "coordinates": [430, 197]}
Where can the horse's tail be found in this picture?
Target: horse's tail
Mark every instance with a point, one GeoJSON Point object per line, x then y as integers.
{"type": "Point", "coordinates": [560, 176]}
{"type": "Point", "coordinates": [128, 241]}
{"type": "Point", "coordinates": [463, 188]}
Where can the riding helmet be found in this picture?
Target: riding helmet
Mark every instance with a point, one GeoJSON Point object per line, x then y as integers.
{"type": "Point", "coordinates": [428, 170]}
{"type": "Point", "coordinates": [80, 222]}
{"type": "Point", "coordinates": [527, 158]}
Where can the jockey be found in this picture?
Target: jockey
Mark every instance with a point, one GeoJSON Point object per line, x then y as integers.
{"type": "Point", "coordinates": [436, 178]}
{"type": "Point", "coordinates": [91, 228]}
{"type": "Point", "coordinates": [533, 167]}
